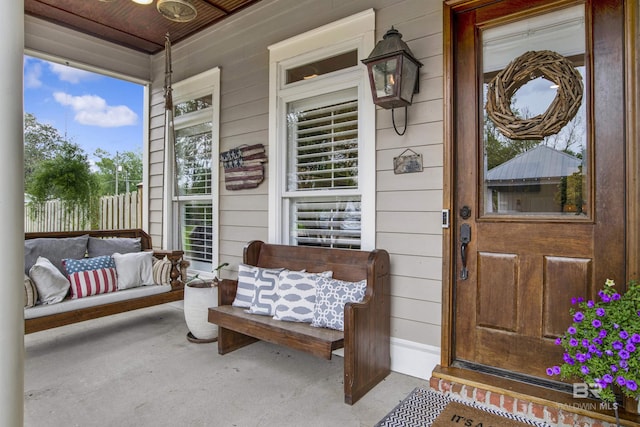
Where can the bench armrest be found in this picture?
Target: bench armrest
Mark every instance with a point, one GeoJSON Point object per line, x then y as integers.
{"type": "Point", "coordinates": [178, 267]}
{"type": "Point", "coordinates": [227, 291]}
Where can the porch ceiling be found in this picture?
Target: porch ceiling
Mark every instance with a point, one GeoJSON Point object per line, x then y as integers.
{"type": "Point", "coordinates": [139, 27]}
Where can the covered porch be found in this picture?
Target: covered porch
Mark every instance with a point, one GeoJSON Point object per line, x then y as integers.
{"type": "Point", "coordinates": [242, 62]}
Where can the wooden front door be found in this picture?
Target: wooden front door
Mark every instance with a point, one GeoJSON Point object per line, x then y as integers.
{"type": "Point", "coordinates": [535, 221]}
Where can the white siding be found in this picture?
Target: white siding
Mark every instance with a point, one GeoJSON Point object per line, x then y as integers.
{"type": "Point", "coordinates": [408, 206]}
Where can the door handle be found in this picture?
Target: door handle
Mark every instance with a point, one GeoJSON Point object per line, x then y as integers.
{"type": "Point", "coordinates": [465, 238]}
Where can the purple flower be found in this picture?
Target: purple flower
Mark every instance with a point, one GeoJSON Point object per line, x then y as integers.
{"type": "Point", "coordinates": [605, 298]}
{"type": "Point", "coordinates": [581, 357]}
{"type": "Point", "coordinates": [578, 317]}
{"type": "Point", "coordinates": [573, 301]}
{"type": "Point", "coordinates": [580, 299]}
{"type": "Point", "coordinates": [555, 370]}
{"type": "Point", "coordinates": [616, 326]}
{"type": "Point", "coordinates": [572, 330]}
{"type": "Point", "coordinates": [596, 323]}
{"type": "Point", "coordinates": [608, 352]}
{"type": "Point", "coordinates": [614, 368]}
{"type": "Point", "coordinates": [635, 338]}
{"type": "Point", "coordinates": [624, 334]}
{"type": "Point", "coordinates": [584, 369]}
{"type": "Point", "coordinates": [617, 345]}
{"type": "Point", "coordinates": [585, 342]}
{"type": "Point", "coordinates": [603, 333]}
{"type": "Point", "coordinates": [631, 385]}
{"type": "Point", "coordinates": [621, 381]}
{"type": "Point", "coordinates": [615, 297]}
{"type": "Point", "coordinates": [568, 359]}
{"type": "Point", "coordinates": [558, 341]}
{"type": "Point", "coordinates": [573, 342]}
{"type": "Point", "coordinates": [623, 364]}
{"type": "Point", "coordinates": [550, 372]}
{"type": "Point", "coordinates": [591, 304]}
{"type": "Point", "coordinates": [630, 347]}
{"type": "Point", "coordinates": [624, 354]}
{"type": "Point", "coordinates": [597, 341]}
{"type": "Point", "coordinates": [608, 378]}
{"type": "Point", "coordinates": [600, 311]}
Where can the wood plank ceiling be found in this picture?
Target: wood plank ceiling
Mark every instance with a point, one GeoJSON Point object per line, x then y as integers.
{"type": "Point", "coordinates": [136, 26]}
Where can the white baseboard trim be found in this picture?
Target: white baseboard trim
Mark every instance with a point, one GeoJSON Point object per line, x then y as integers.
{"type": "Point", "coordinates": [412, 358]}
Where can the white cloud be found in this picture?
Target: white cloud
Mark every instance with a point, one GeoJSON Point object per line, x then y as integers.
{"type": "Point", "coordinates": [69, 74]}
{"type": "Point", "coordinates": [93, 110]}
{"type": "Point", "coordinates": [32, 74]}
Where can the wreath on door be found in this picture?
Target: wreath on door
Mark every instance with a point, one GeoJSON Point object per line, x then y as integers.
{"type": "Point", "coordinates": [529, 66]}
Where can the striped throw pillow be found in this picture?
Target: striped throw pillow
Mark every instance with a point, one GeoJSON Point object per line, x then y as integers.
{"type": "Point", "coordinates": [30, 292]}
{"type": "Point", "coordinates": [161, 271]}
{"type": "Point", "coordinates": [91, 276]}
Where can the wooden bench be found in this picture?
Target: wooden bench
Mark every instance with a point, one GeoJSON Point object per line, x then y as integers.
{"type": "Point", "coordinates": [366, 334]}
{"type": "Point", "coordinates": [178, 270]}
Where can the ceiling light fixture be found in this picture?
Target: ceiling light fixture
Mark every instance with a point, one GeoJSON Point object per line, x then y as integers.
{"type": "Point", "coordinates": [143, 1]}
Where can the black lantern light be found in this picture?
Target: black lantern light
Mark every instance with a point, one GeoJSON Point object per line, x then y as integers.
{"type": "Point", "coordinates": [393, 73]}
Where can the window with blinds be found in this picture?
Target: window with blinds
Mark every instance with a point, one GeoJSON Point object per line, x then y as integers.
{"type": "Point", "coordinates": [323, 156]}
{"type": "Point", "coordinates": [197, 231]}
{"type": "Point", "coordinates": [193, 198]}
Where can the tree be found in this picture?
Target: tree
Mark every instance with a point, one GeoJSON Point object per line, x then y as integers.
{"type": "Point", "coordinates": [129, 167]}
{"type": "Point", "coordinates": [41, 142]}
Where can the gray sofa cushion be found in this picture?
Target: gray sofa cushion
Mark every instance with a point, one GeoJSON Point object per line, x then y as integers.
{"type": "Point", "coordinates": [54, 249]}
{"type": "Point", "coordinates": [109, 246]}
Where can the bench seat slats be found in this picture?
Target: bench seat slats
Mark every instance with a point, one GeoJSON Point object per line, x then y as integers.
{"type": "Point", "coordinates": [318, 341]}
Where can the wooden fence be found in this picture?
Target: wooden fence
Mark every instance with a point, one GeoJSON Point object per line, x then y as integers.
{"type": "Point", "coordinates": [116, 212]}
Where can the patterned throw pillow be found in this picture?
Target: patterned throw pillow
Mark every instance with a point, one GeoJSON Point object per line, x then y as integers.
{"type": "Point", "coordinates": [266, 294]}
{"type": "Point", "coordinates": [91, 276]}
{"type": "Point", "coordinates": [331, 297]}
{"type": "Point", "coordinates": [297, 295]}
{"type": "Point", "coordinates": [246, 286]}
{"type": "Point", "coordinates": [162, 271]}
{"type": "Point", "coordinates": [30, 292]}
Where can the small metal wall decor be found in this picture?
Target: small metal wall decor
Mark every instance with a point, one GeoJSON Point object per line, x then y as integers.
{"type": "Point", "coordinates": [243, 166]}
{"type": "Point", "coordinates": [407, 162]}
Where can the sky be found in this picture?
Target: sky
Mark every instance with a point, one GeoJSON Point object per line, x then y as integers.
{"type": "Point", "coordinates": [92, 110]}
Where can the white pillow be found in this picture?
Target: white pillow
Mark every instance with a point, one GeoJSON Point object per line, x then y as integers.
{"type": "Point", "coordinates": [134, 269]}
{"type": "Point", "coordinates": [52, 286]}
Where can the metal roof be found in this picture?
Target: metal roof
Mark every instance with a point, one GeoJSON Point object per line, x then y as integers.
{"type": "Point", "coordinates": [541, 162]}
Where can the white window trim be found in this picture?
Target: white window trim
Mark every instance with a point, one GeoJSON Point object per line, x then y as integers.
{"type": "Point", "coordinates": [199, 85]}
{"type": "Point", "coordinates": [354, 32]}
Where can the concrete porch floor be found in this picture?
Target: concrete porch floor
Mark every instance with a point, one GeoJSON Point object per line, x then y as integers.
{"type": "Point", "coordinates": [138, 369]}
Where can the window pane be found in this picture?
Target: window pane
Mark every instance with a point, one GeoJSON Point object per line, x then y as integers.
{"type": "Point", "coordinates": [323, 142]}
{"type": "Point", "coordinates": [193, 158]}
{"type": "Point", "coordinates": [331, 223]}
{"type": "Point", "coordinates": [546, 176]}
{"type": "Point", "coordinates": [197, 233]}
{"type": "Point", "coordinates": [324, 66]}
{"type": "Point", "coordinates": [192, 105]}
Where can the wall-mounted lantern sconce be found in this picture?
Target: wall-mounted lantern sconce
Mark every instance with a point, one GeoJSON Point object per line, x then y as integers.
{"type": "Point", "coordinates": [393, 74]}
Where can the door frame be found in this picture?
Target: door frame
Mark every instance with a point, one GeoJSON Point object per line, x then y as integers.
{"type": "Point", "coordinates": [632, 150]}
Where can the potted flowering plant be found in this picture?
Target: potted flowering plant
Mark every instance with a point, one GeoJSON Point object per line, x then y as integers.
{"type": "Point", "coordinates": [602, 345]}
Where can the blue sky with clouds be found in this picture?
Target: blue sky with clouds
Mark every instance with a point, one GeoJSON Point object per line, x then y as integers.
{"type": "Point", "coordinates": [92, 110]}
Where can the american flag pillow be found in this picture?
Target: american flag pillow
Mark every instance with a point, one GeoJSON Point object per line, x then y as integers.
{"type": "Point", "coordinates": [91, 276]}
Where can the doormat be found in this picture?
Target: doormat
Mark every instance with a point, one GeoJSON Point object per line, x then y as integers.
{"type": "Point", "coordinates": [423, 407]}
{"type": "Point", "coordinates": [457, 414]}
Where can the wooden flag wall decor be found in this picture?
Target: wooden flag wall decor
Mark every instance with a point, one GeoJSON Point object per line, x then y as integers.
{"type": "Point", "coordinates": [243, 166]}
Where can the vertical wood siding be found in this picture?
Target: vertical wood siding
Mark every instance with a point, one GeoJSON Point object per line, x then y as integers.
{"type": "Point", "coordinates": [408, 206]}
